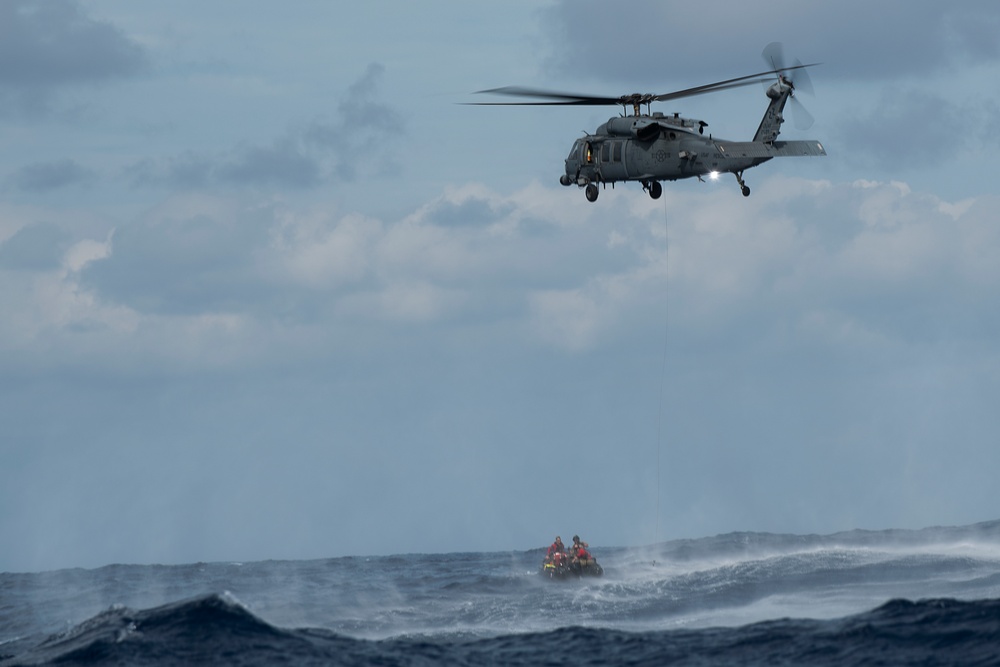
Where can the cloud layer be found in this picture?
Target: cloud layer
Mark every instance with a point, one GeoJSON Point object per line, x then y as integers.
{"type": "Point", "coordinates": [813, 327]}
{"type": "Point", "coordinates": [261, 301]}
{"type": "Point", "coordinates": [857, 40]}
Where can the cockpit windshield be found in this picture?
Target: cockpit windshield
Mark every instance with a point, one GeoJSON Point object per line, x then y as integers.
{"type": "Point", "coordinates": [574, 152]}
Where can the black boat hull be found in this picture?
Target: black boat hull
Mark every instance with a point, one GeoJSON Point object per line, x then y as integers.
{"type": "Point", "coordinates": [577, 570]}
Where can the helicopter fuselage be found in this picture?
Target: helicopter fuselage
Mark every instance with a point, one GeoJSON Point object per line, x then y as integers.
{"type": "Point", "coordinates": [650, 148]}
{"type": "Point", "coordinates": [671, 154]}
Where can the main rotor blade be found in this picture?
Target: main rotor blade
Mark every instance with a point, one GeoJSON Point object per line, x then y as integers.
{"type": "Point", "coordinates": [554, 98]}
{"type": "Point", "coordinates": [722, 85]}
{"type": "Point", "coordinates": [701, 90]}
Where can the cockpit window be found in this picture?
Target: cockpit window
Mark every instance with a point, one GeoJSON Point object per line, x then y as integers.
{"type": "Point", "coordinates": [575, 151]}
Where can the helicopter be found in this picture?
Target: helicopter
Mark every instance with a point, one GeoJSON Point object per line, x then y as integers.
{"type": "Point", "coordinates": [652, 147]}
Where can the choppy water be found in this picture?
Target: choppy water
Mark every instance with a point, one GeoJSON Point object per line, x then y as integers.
{"type": "Point", "coordinates": [890, 597]}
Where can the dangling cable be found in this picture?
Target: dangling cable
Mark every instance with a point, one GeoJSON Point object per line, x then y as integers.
{"type": "Point", "coordinates": [663, 369]}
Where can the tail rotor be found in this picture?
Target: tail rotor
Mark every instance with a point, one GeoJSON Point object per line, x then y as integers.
{"type": "Point", "coordinates": [795, 77]}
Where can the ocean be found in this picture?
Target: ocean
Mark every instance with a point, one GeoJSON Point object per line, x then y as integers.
{"type": "Point", "coordinates": [928, 597]}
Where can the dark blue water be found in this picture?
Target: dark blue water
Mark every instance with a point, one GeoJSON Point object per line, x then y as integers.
{"type": "Point", "coordinates": [890, 597]}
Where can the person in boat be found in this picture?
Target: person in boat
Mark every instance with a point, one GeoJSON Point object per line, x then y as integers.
{"type": "Point", "coordinates": [556, 547]}
{"type": "Point", "coordinates": [579, 550]}
{"type": "Point", "coordinates": [556, 557]}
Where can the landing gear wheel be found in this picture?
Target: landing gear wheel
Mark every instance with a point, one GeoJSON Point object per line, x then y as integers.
{"type": "Point", "coordinates": [655, 190]}
{"type": "Point", "coordinates": [743, 186]}
{"type": "Point", "coordinates": [592, 192]}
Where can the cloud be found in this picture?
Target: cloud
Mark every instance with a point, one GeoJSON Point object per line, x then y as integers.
{"type": "Point", "coordinates": [356, 141]}
{"type": "Point", "coordinates": [37, 247]}
{"type": "Point", "coordinates": [55, 43]}
{"type": "Point", "coordinates": [186, 171]}
{"type": "Point", "coordinates": [857, 39]}
{"type": "Point", "coordinates": [805, 279]}
{"type": "Point", "coordinates": [192, 255]}
{"type": "Point", "coordinates": [44, 46]}
{"type": "Point", "coordinates": [286, 163]}
{"type": "Point", "coordinates": [283, 164]}
{"type": "Point", "coordinates": [566, 318]}
{"type": "Point", "coordinates": [544, 270]}
{"type": "Point", "coordinates": [913, 129]}
{"type": "Point", "coordinates": [46, 176]}
{"type": "Point", "coordinates": [810, 329]}
{"type": "Point", "coordinates": [361, 117]}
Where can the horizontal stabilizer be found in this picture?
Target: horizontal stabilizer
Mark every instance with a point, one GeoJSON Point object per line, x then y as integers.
{"type": "Point", "coordinates": [762, 149]}
{"type": "Point", "coordinates": [798, 148]}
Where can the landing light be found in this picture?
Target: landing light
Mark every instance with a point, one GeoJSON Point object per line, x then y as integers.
{"type": "Point", "coordinates": [713, 175]}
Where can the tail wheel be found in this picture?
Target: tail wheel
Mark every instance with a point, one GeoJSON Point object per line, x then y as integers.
{"type": "Point", "coordinates": [743, 186]}
{"type": "Point", "coordinates": [592, 192]}
{"type": "Point", "coordinates": [655, 189]}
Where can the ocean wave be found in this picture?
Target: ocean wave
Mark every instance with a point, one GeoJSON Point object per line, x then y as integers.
{"type": "Point", "coordinates": [216, 629]}
{"type": "Point", "coordinates": [668, 595]}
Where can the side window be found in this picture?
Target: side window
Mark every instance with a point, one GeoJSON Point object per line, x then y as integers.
{"type": "Point", "coordinates": [588, 153]}
{"type": "Point", "coordinates": [618, 152]}
{"type": "Point", "coordinates": [606, 151]}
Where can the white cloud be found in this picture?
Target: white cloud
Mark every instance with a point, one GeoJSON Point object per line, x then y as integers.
{"type": "Point", "coordinates": [566, 318]}
{"type": "Point", "coordinates": [364, 292]}
{"type": "Point", "coordinates": [86, 251]}
{"type": "Point", "coordinates": [479, 321]}
{"type": "Point", "coordinates": [323, 253]}
{"type": "Point", "coordinates": [404, 302]}
{"type": "Point", "coordinates": [216, 271]}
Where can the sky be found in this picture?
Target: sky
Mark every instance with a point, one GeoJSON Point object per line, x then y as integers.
{"type": "Point", "coordinates": [272, 290]}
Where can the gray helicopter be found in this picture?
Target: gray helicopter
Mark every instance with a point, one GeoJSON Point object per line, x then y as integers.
{"type": "Point", "coordinates": [652, 147]}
